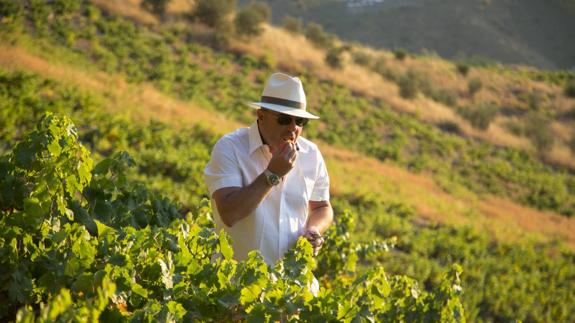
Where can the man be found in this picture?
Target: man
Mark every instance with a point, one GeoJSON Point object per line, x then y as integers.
{"type": "Point", "coordinates": [269, 185]}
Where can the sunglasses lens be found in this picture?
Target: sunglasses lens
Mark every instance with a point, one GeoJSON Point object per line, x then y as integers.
{"type": "Point", "coordinates": [301, 122]}
{"type": "Point", "coordinates": [284, 120]}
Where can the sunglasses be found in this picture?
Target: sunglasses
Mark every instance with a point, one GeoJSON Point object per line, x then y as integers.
{"type": "Point", "coordinates": [284, 120]}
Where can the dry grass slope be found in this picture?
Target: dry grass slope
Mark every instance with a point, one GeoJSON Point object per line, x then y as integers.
{"type": "Point", "coordinates": [141, 102]}
{"type": "Point", "coordinates": [349, 170]}
{"type": "Point", "coordinates": [295, 53]}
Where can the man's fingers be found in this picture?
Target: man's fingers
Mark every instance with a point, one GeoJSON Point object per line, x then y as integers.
{"type": "Point", "coordinates": [289, 148]}
{"type": "Point", "coordinates": [282, 149]}
{"type": "Point", "coordinates": [293, 157]}
{"type": "Point", "coordinates": [316, 249]}
{"type": "Point", "coordinates": [315, 239]}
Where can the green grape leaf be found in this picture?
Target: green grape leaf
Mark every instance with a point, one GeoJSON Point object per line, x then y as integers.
{"type": "Point", "coordinates": [225, 247]}
{"type": "Point", "coordinates": [32, 207]}
{"type": "Point", "coordinates": [104, 230]}
{"type": "Point", "coordinates": [138, 289]}
{"type": "Point", "coordinates": [250, 293]}
{"type": "Point", "coordinates": [83, 283]}
{"type": "Point", "coordinates": [54, 148]}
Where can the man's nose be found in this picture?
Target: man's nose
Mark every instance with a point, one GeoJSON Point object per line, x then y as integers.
{"type": "Point", "coordinates": [292, 125]}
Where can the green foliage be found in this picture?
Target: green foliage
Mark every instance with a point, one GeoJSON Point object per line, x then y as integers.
{"type": "Point", "coordinates": [474, 86]}
{"type": "Point", "coordinates": [116, 251]}
{"type": "Point", "coordinates": [222, 82]}
{"type": "Point", "coordinates": [318, 36]}
{"type": "Point", "coordinates": [334, 57]}
{"type": "Point", "coordinates": [570, 89]}
{"type": "Point", "coordinates": [535, 100]}
{"type": "Point", "coordinates": [502, 283]}
{"type": "Point", "coordinates": [538, 129]}
{"type": "Point", "coordinates": [463, 69]}
{"type": "Point", "coordinates": [410, 84]}
{"type": "Point", "coordinates": [400, 54]}
{"type": "Point", "coordinates": [557, 77]}
{"type": "Point", "coordinates": [496, 276]}
{"type": "Point", "coordinates": [362, 58]}
{"type": "Point", "coordinates": [445, 96]}
{"type": "Point", "coordinates": [381, 68]}
{"type": "Point", "coordinates": [477, 61]}
{"type": "Point", "coordinates": [45, 169]}
{"type": "Point", "coordinates": [292, 24]}
{"type": "Point", "coordinates": [171, 161]}
{"type": "Point", "coordinates": [157, 7]}
{"type": "Point", "coordinates": [11, 14]}
{"type": "Point", "coordinates": [572, 143]}
{"type": "Point", "coordinates": [249, 19]}
{"type": "Point", "coordinates": [213, 12]}
{"type": "Point", "coordinates": [480, 115]}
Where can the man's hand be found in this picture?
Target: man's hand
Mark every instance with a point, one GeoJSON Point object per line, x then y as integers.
{"type": "Point", "coordinates": [314, 237]}
{"type": "Point", "coordinates": [283, 158]}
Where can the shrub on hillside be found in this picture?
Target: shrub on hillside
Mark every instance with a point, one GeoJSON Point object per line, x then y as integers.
{"type": "Point", "coordinates": [538, 130]}
{"type": "Point", "coordinates": [213, 12]}
{"type": "Point", "coordinates": [449, 127]}
{"type": "Point", "coordinates": [515, 127]}
{"type": "Point", "coordinates": [480, 115]}
{"type": "Point", "coordinates": [334, 57]}
{"type": "Point", "coordinates": [12, 14]}
{"type": "Point", "coordinates": [362, 58]}
{"type": "Point", "coordinates": [410, 84]}
{"type": "Point", "coordinates": [569, 114]}
{"type": "Point", "coordinates": [535, 100]}
{"type": "Point", "coordinates": [400, 54]}
{"type": "Point", "coordinates": [445, 96]}
{"type": "Point", "coordinates": [422, 83]}
{"type": "Point", "coordinates": [474, 86]}
{"type": "Point", "coordinates": [381, 68]}
{"type": "Point", "coordinates": [570, 89]}
{"type": "Point", "coordinates": [157, 7]}
{"type": "Point", "coordinates": [318, 36]}
{"type": "Point", "coordinates": [463, 69]}
{"type": "Point", "coordinates": [249, 19]}
{"type": "Point", "coordinates": [572, 143]}
{"type": "Point", "coordinates": [292, 24]}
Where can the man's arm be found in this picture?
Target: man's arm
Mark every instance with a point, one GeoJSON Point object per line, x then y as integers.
{"type": "Point", "coordinates": [236, 203]}
{"type": "Point", "coordinates": [320, 218]}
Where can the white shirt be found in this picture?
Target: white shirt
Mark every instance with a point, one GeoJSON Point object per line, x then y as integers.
{"type": "Point", "coordinates": [237, 160]}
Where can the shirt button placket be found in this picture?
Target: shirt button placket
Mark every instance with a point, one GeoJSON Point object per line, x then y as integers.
{"type": "Point", "coordinates": [282, 220]}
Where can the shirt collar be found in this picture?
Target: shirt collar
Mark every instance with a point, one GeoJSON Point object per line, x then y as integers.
{"type": "Point", "coordinates": [255, 138]}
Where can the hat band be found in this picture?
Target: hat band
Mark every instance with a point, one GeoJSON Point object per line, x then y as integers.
{"type": "Point", "coordinates": [284, 102]}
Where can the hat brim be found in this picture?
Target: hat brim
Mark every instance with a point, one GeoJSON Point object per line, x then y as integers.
{"type": "Point", "coordinates": [283, 109]}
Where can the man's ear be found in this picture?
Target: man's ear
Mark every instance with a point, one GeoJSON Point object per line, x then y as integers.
{"type": "Point", "coordinates": [260, 114]}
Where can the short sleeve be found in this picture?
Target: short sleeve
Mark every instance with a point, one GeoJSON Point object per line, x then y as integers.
{"type": "Point", "coordinates": [223, 169]}
{"type": "Point", "coordinates": [321, 187]}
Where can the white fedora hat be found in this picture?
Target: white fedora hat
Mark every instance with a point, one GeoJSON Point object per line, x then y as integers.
{"type": "Point", "coordinates": [284, 94]}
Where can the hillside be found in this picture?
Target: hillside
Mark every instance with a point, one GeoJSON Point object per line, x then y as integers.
{"type": "Point", "coordinates": [505, 220]}
{"type": "Point", "coordinates": [536, 33]}
{"type": "Point", "coordinates": [163, 95]}
{"type": "Point", "coordinates": [445, 94]}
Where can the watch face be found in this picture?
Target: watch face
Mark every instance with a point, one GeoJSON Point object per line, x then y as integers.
{"type": "Point", "coordinates": [273, 179]}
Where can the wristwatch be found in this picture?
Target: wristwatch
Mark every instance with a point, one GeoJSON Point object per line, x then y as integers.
{"type": "Point", "coordinates": [272, 178]}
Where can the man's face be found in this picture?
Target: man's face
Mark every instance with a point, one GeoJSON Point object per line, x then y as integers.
{"type": "Point", "coordinates": [275, 130]}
